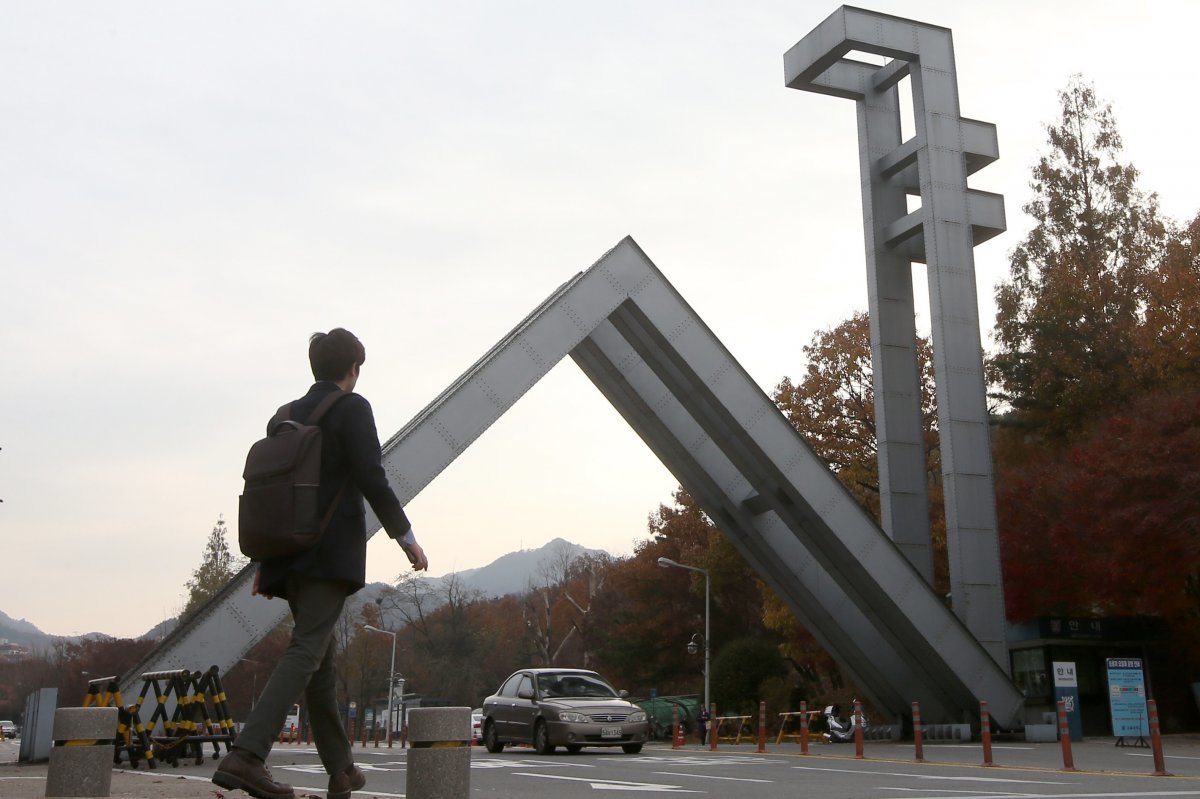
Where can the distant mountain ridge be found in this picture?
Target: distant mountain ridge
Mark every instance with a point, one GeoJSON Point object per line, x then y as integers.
{"type": "Point", "coordinates": [512, 573]}
{"type": "Point", "coordinates": [509, 574]}
{"type": "Point", "coordinates": [20, 631]}
{"type": "Point", "coordinates": [26, 634]}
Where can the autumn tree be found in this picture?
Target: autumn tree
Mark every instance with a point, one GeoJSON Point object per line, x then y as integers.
{"type": "Point", "coordinates": [502, 646]}
{"type": "Point", "coordinates": [442, 635]}
{"type": "Point", "coordinates": [741, 670]}
{"type": "Point", "coordinates": [650, 614]}
{"type": "Point", "coordinates": [646, 615]}
{"type": "Point", "coordinates": [1067, 313]}
{"type": "Point", "coordinates": [557, 607]}
{"type": "Point", "coordinates": [1167, 342]}
{"type": "Point", "coordinates": [67, 664]}
{"type": "Point", "coordinates": [833, 406]}
{"type": "Point", "coordinates": [1113, 526]}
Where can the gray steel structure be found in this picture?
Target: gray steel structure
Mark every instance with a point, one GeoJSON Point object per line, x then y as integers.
{"type": "Point", "coordinates": [728, 444]}
{"type": "Point", "coordinates": [934, 165]}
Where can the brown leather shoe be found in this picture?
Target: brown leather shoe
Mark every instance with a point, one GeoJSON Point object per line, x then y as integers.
{"type": "Point", "coordinates": [241, 769]}
{"type": "Point", "coordinates": [341, 785]}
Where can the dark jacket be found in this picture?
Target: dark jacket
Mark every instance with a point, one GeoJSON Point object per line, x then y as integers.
{"type": "Point", "coordinates": [350, 456]}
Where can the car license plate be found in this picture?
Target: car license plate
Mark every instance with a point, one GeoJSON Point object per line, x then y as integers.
{"type": "Point", "coordinates": [610, 732]}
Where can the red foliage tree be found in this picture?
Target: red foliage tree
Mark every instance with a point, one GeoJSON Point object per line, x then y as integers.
{"type": "Point", "coordinates": [1112, 527]}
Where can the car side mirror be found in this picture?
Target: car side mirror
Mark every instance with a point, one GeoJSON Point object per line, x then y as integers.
{"type": "Point", "coordinates": [525, 693]}
{"type": "Point", "coordinates": [623, 694]}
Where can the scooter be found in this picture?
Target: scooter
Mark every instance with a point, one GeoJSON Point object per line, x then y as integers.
{"type": "Point", "coordinates": [838, 731]}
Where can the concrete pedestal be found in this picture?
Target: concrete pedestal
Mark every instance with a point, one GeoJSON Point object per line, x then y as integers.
{"type": "Point", "coordinates": [439, 762]}
{"type": "Point", "coordinates": [82, 759]}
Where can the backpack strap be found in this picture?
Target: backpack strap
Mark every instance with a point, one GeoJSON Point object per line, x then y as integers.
{"type": "Point", "coordinates": [324, 405]}
{"type": "Point", "coordinates": [322, 408]}
{"type": "Point", "coordinates": [284, 414]}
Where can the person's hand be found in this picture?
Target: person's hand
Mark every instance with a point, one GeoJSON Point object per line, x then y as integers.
{"type": "Point", "coordinates": [416, 556]}
{"type": "Point", "coordinates": [257, 580]}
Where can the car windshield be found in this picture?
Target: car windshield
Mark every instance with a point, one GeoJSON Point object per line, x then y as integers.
{"type": "Point", "coordinates": [574, 685]}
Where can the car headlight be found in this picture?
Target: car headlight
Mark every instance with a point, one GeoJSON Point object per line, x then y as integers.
{"type": "Point", "coordinates": [636, 716]}
{"type": "Point", "coordinates": [572, 716]}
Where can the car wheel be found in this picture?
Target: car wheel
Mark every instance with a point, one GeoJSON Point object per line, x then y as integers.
{"type": "Point", "coordinates": [574, 748]}
{"type": "Point", "coordinates": [631, 749]}
{"type": "Point", "coordinates": [489, 738]}
{"type": "Point", "coordinates": [541, 739]}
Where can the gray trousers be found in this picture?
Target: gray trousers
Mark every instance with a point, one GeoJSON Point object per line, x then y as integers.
{"type": "Point", "coordinates": [307, 668]}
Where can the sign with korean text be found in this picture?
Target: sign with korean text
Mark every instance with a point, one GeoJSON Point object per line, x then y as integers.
{"type": "Point", "coordinates": [1066, 690]}
{"type": "Point", "coordinates": [1127, 697]}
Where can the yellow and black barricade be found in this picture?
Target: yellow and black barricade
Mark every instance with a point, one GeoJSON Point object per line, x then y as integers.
{"type": "Point", "coordinates": [191, 725]}
{"type": "Point", "coordinates": [131, 733]}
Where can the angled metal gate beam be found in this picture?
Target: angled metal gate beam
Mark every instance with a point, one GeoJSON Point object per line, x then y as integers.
{"type": "Point", "coordinates": [760, 463]}
{"type": "Point", "coordinates": [768, 546]}
{"type": "Point", "coordinates": [233, 621]}
{"type": "Point", "coordinates": [726, 441]}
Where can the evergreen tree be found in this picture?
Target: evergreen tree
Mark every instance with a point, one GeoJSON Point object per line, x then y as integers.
{"type": "Point", "coordinates": [218, 567]}
{"type": "Point", "coordinates": [1067, 315]}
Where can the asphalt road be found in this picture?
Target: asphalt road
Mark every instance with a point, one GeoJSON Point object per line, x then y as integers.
{"type": "Point", "coordinates": [831, 772]}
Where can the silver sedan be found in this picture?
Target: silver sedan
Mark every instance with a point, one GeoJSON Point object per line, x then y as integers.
{"type": "Point", "coordinates": [573, 708]}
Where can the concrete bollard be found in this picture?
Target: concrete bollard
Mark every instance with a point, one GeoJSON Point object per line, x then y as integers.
{"type": "Point", "coordinates": [439, 762]}
{"type": "Point", "coordinates": [82, 758]}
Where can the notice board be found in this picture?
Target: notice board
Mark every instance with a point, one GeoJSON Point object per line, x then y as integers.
{"type": "Point", "coordinates": [1127, 697]}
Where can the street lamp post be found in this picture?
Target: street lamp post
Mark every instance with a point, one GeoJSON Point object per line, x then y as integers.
{"type": "Point", "coordinates": [391, 678]}
{"type": "Point", "coordinates": [667, 563]}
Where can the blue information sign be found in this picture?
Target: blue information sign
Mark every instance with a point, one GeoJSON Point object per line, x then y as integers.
{"type": "Point", "coordinates": [1127, 697]}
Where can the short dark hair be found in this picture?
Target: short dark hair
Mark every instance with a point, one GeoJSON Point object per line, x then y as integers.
{"type": "Point", "coordinates": [332, 355]}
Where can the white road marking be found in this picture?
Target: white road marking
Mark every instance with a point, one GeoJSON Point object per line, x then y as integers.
{"type": "Point", "coordinates": [945, 790]}
{"type": "Point", "coordinates": [709, 777]}
{"type": "Point", "coordinates": [1133, 794]}
{"type": "Point", "coordinates": [615, 785]}
{"type": "Point", "coordinates": [497, 762]}
{"type": "Point", "coordinates": [1151, 754]}
{"type": "Point", "coordinates": [934, 776]}
{"type": "Point", "coordinates": [693, 760]}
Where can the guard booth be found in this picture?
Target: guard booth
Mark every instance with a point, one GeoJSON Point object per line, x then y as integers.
{"type": "Point", "coordinates": [1035, 646]}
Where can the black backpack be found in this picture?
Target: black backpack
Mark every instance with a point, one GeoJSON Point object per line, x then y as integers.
{"type": "Point", "coordinates": [277, 511]}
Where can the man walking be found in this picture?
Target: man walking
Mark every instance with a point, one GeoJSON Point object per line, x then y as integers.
{"type": "Point", "coordinates": [316, 582]}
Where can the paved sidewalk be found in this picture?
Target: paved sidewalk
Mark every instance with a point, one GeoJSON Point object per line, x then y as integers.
{"type": "Point", "coordinates": [188, 781]}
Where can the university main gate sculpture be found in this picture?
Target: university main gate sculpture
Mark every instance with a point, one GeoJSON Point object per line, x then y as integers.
{"type": "Point", "coordinates": [866, 597]}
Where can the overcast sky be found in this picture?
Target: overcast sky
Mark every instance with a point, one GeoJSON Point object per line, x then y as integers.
{"type": "Point", "coordinates": [188, 190]}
